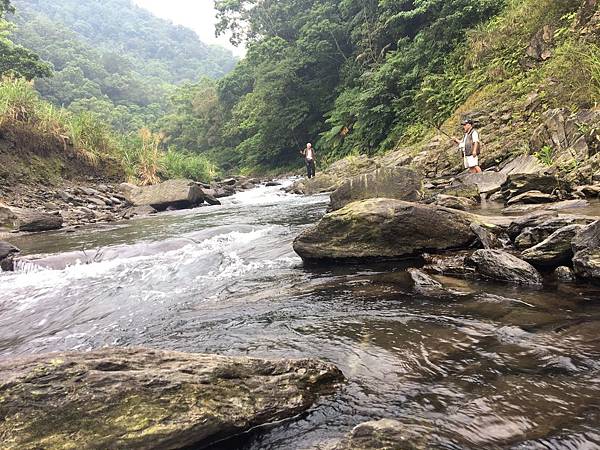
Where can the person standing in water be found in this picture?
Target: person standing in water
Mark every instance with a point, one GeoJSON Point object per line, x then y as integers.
{"type": "Point", "coordinates": [470, 146]}
{"type": "Point", "coordinates": [309, 158]}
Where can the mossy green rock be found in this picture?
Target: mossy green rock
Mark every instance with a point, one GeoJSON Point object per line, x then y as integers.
{"type": "Point", "coordinates": [148, 399]}
{"type": "Point", "coordinates": [384, 228]}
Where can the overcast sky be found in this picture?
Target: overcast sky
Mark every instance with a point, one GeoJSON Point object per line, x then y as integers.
{"type": "Point", "coordinates": [199, 15]}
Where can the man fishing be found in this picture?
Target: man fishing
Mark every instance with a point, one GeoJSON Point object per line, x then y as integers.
{"type": "Point", "coordinates": [470, 146]}
{"type": "Point", "coordinates": [309, 158]}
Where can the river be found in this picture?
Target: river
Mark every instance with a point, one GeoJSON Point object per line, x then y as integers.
{"type": "Point", "coordinates": [480, 366]}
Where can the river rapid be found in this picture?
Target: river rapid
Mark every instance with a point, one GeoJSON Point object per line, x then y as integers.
{"type": "Point", "coordinates": [478, 366]}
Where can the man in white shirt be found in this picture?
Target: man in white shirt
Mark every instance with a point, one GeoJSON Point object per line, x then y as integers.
{"type": "Point", "coordinates": [309, 157]}
{"type": "Point", "coordinates": [470, 146]}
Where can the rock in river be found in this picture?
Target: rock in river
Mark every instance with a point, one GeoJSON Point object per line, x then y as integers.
{"type": "Point", "coordinates": [384, 228]}
{"type": "Point", "coordinates": [502, 266]}
{"type": "Point", "coordinates": [399, 183]}
{"type": "Point", "coordinates": [178, 194]}
{"type": "Point", "coordinates": [554, 250]}
{"type": "Point", "coordinates": [21, 219]}
{"type": "Point", "coordinates": [149, 399]}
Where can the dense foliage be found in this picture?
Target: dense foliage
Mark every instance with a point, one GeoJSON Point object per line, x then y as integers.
{"type": "Point", "coordinates": [113, 58]}
{"type": "Point", "coordinates": [348, 73]}
{"type": "Point", "coordinates": [14, 59]}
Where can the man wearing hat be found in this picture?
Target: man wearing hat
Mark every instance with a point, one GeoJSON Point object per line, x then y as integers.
{"type": "Point", "coordinates": [470, 146]}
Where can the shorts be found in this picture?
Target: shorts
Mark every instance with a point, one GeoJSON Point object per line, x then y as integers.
{"type": "Point", "coordinates": [471, 161]}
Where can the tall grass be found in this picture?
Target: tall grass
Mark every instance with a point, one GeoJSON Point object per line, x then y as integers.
{"type": "Point", "coordinates": [140, 155]}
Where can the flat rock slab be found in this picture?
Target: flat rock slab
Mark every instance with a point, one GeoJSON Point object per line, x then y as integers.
{"type": "Point", "coordinates": [488, 182]}
{"type": "Point", "coordinates": [532, 197]}
{"type": "Point", "coordinates": [29, 220]}
{"type": "Point", "coordinates": [502, 266]}
{"type": "Point", "coordinates": [399, 183]}
{"type": "Point", "coordinates": [177, 194]}
{"type": "Point", "coordinates": [523, 164]}
{"type": "Point", "coordinates": [149, 399]}
{"type": "Point", "coordinates": [384, 229]}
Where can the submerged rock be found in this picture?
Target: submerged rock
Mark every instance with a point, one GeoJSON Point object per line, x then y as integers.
{"type": "Point", "coordinates": [384, 228]}
{"type": "Point", "coordinates": [564, 274]}
{"type": "Point", "coordinates": [422, 281]}
{"type": "Point", "coordinates": [388, 434]}
{"type": "Point", "coordinates": [22, 219]}
{"type": "Point", "coordinates": [398, 183]}
{"type": "Point", "coordinates": [147, 399]}
{"type": "Point", "coordinates": [502, 266]}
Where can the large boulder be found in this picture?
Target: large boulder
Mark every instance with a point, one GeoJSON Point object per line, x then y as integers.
{"type": "Point", "coordinates": [30, 220]}
{"type": "Point", "coordinates": [586, 249]}
{"type": "Point", "coordinates": [399, 183]}
{"type": "Point", "coordinates": [554, 250]}
{"type": "Point", "coordinates": [520, 183]}
{"type": "Point", "coordinates": [178, 194]}
{"type": "Point", "coordinates": [502, 266]}
{"type": "Point", "coordinates": [384, 228]}
{"type": "Point", "coordinates": [148, 399]}
{"type": "Point", "coordinates": [536, 232]}
{"type": "Point", "coordinates": [487, 182]}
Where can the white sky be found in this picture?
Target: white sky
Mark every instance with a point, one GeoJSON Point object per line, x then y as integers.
{"type": "Point", "coordinates": [199, 15]}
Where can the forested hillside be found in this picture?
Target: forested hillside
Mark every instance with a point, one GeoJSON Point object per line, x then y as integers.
{"type": "Point", "coordinates": [364, 77]}
{"type": "Point", "coordinates": [113, 58]}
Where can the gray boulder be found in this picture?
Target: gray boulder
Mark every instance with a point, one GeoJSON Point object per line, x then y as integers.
{"type": "Point", "coordinates": [564, 274]}
{"type": "Point", "coordinates": [502, 266]}
{"type": "Point", "coordinates": [487, 182]}
{"type": "Point", "coordinates": [554, 250]}
{"type": "Point", "coordinates": [530, 197]}
{"type": "Point", "coordinates": [523, 164]}
{"type": "Point", "coordinates": [399, 183]}
{"type": "Point", "coordinates": [174, 194]}
{"type": "Point", "coordinates": [21, 219]}
{"type": "Point", "coordinates": [486, 237]}
{"type": "Point", "coordinates": [460, 203]}
{"type": "Point", "coordinates": [7, 251]}
{"type": "Point", "coordinates": [384, 228]}
{"type": "Point", "coordinates": [133, 398]}
{"type": "Point", "coordinates": [423, 282]}
{"type": "Point", "coordinates": [520, 183]}
{"type": "Point", "coordinates": [541, 230]}
{"type": "Point", "coordinates": [586, 249]}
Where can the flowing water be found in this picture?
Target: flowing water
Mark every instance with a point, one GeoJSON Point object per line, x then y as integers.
{"type": "Point", "coordinates": [478, 366]}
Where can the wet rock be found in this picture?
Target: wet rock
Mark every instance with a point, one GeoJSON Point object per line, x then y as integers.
{"type": "Point", "coordinates": [398, 183]}
{"type": "Point", "coordinates": [487, 182]}
{"type": "Point", "coordinates": [591, 191]}
{"type": "Point", "coordinates": [447, 265]}
{"type": "Point", "coordinates": [470, 191]}
{"type": "Point", "coordinates": [530, 197]}
{"type": "Point", "coordinates": [554, 250]}
{"type": "Point", "coordinates": [487, 239]}
{"type": "Point", "coordinates": [139, 211]}
{"type": "Point", "coordinates": [272, 183]}
{"type": "Point", "coordinates": [177, 194]}
{"type": "Point", "coordinates": [518, 184]}
{"type": "Point", "coordinates": [21, 219]}
{"type": "Point", "coordinates": [564, 274]}
{"type": "Point", "coordinates": [422, 281]}
{"type": "Point", "coordinates": [460, 203]}
{"type": "Point", "coordinates": [7, 252]}
{"type": "Point", "coordinates": [384, 228]}
{"type": "Point", "coordinates": [517, 226]}
{"type": "Point", "coordinates": [586, 247]}
{"type": "Point", "coordinates": [558, 206]}
{"type": "Point", "coordinates": [388, 434]}
{"type": "Point", "coordinates": [502, 266]}
{"type": "Point", "coordinates": [140, 399]}
{"type": "Point", "coordinates": [537, 232]}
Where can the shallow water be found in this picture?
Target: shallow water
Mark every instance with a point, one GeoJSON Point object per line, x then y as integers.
{"type": "Point", "coordinates": [479, 366]}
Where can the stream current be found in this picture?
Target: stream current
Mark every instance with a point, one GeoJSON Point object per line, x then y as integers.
{"type": "Point", "coordinates": [479, 366]}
